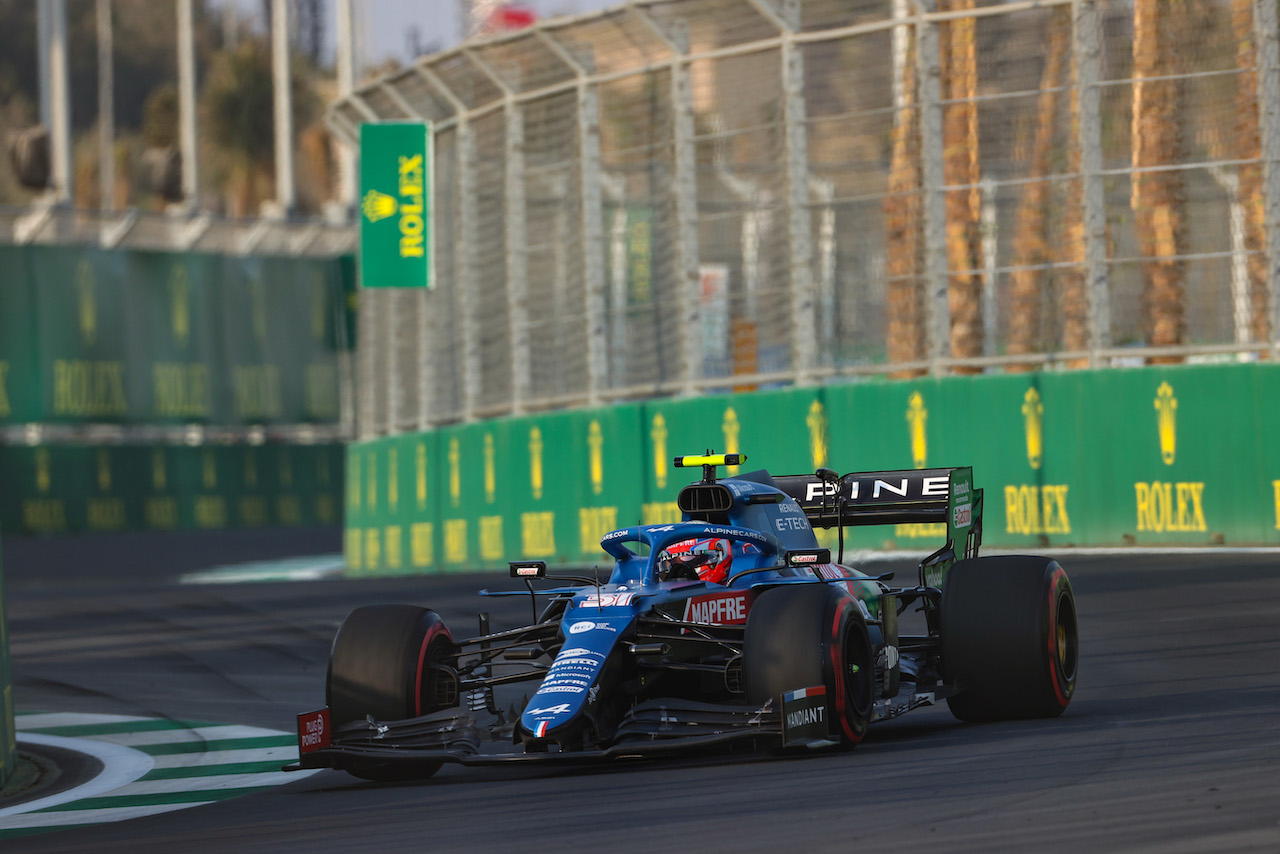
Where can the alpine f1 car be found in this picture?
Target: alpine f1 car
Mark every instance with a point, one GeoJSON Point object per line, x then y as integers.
{"type": "Point", "coordinates": [731, 626]}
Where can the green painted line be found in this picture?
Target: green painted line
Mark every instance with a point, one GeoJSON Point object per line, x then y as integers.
{"type": "Point", "coordinates": [150, 725]}
{"type": "Point", "coordinates": [174, 748]}
{"type": "Point", "coordinates": [159, 798]}
{"type": "Point", "coordinates": [213, 770]}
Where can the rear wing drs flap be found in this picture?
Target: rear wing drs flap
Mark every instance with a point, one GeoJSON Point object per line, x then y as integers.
{"type": "Point", "coordinates": [892, 498]}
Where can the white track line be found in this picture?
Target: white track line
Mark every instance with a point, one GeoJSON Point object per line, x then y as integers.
{"type": "Point", "coordinates": [121, 766]}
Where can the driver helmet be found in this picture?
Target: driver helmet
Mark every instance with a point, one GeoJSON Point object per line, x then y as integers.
{"type": "Point", "coordinates": [704, 559]}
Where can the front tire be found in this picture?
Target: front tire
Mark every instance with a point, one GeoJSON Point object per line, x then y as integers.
{"type": "Point", "coordinates": [1010, 640]}
{"type": "Point", "coordinates": [812, 634]}
{"type": "Point", "coordinates": [386, 662]}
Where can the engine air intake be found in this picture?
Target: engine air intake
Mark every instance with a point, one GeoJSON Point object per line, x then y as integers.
{"type": "Point", "coordinates": [708, 502]}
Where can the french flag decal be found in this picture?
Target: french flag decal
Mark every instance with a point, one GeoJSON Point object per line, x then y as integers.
{"type": "Point", "coordinates": [805, 693]}
{"type": "Point", "coordinates": [541, 729]}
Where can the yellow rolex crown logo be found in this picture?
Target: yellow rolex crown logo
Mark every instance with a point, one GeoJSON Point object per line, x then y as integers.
{"type": "Point", "coordinates": [535, 462]}
{"type": "Point", "coordinates": [595, 443]}
{"type": "Point", "coordinates": [378, 206]}
{"type": "Point", "coordinates": [816, 421]}
{"type": "Point", "coordinates": [917, 415]}
{"type": "Point", "coordinates": [1167, 422]}
{"type": "Point", "coordinates": [1033, 413]}
{"type": "Point", "coordinates": [659, 436]}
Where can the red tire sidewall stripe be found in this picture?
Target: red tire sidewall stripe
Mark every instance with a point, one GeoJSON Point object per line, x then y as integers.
{"type": "Point", "coordinates": [1056, 581]}
{"type": "Point", "coordinates": [836, 654]}
{"type": "Point", "coordinates": [435, 630]}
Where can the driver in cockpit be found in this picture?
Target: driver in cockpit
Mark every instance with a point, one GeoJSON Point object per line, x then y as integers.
{"type": "Point", "coordinates": [705, 559]}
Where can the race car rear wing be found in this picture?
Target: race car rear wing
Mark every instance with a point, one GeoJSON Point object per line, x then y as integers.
{"type": "Point", "coordinates": [891, 498]}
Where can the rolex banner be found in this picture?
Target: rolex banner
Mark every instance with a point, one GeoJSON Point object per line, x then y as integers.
{"type": "Point", "coordinates": [73, 488]}
{"type": "Point", "coordinates": [1148, 456]}
{"type": "Point", "coordinates": [395, 207]}
{"type": "Point", "coordinates": [90, 335]}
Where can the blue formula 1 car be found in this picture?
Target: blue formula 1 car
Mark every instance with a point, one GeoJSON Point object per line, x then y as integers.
{"type": "Point", "coordinates": [731, 626]}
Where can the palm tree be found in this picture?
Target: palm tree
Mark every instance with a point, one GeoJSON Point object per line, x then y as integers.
{"type": "Point", "coordinates": [1031, 248]}
{"type": "Point", "coordinates": [905, 341]}
{"type": "Point", "coordinates": [961, 167]}
{"type": "Point", "coordinates": [239, 116]}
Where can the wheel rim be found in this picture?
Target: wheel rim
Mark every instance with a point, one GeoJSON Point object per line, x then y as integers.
{"type": "Point", "coordinates": [1066, 644]}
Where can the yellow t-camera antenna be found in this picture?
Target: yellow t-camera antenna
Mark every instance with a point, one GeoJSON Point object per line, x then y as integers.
{"type": "Point", "coordinates": [709, 461]}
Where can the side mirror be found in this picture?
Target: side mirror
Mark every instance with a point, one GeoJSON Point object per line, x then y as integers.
{"type": "Point", "coordinates": [808, 557]}
{"type": "Point", "coordinates": [528, 568]}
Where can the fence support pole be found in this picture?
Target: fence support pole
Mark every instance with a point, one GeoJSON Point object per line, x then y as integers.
{"type": "Point", "coordinates": [591, 225]}
{"type": "Point", "coordinates": [1265, 26]}
{"type": "Point", "coordinates": [786, 17]}
{"type": "Point", "coordinates": [684, 180]}
{"type": "Point", "coordinates": [1087, 49]}
{"type": "Point", "coordinates": [464, 285]}
{"type": "Point", "coordinates": [517, 258]}
{"type": "Point", "coordinates": [390, 299]}
{"type": "Point", "coordinates": [286, 190]}
{"type": "Point", "coordinates": [937, 308]}
{"type": "Point", "coordinates": [516, 237]}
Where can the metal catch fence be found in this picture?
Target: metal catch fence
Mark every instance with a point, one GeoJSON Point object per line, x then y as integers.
{"type": "Point", "coordinates": [676, 196]}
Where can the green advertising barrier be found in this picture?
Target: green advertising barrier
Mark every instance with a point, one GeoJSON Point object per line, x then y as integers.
{"type": "Point", "coordinates": [388, 488]}
{"type": "Point", "coordinates": [86, 332]}
{"type": "Point", "coordinates": [105, 336]}
{"type": "Point", "coordinates": [470, 501]}
{"type": "Point", "coordinates": [1145, 456]}
{"type": "Point", "coordinates": [1148, 456]}
{"type": "Point", "coordinates": [8, 732]}
{"type": "Point", "coordinates": [782, 431]}
{"type": "Point", "coordinates": [567, 482]}
{"type": "Point", "coordinates": [57, 489]}
{"type": "Point", "coordinates": [19, 358]}
{"type": "Point", "coordinates": [173, 368]}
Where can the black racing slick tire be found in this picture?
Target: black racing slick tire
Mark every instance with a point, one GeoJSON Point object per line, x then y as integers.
{"type": "Point", "coordinates": [1010, 641]}
{"type": "Point", "coordinates": [385, 663]}
{"type": "Point", "coordinates": [803, 635]}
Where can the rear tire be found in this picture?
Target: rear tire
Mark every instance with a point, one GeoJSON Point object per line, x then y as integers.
{"type": "Point", "coordinates": [383, 664]}
{"type": "Point", "coordinates": [1009, 638]}
{"type": "Point", "coordinates": [812, 634]}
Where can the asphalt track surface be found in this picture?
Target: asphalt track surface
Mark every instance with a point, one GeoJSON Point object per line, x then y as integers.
{"type": "Point", "coordinates": [1172, 743]}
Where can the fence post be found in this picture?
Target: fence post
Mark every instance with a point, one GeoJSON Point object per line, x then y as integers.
{"type": "Point", "coordinates": [803, 339]}
{"type": "Point", "coordinates": [929, 69]}
{"type": "Point", "coordinates": [389, 300]}
{"type": "Point", "coordinates": [592, 221]}
{"type": "Point", "coordinates": [1265, 26]}
{"type": "Point", "coordinates": [688, 284]}
{"type": "Point", "coordinates": [684, 181]}
{"type": "Point", "coordinates": [366, 356]}
{"type": "Point", "coordinates": [517, 258]}
{"type": "Point", "coordinates": [990, 257]}
{"type": "Point", "coordinates": [282, 95]}
{"type": "Point", "coordinates": [1087, 49]}
{"type": "Point", "coordinates": [516, 237]}
{"type": "Point", "coordinates": [796, 155]}
{"type": "Point", "coordinates": [464, 285]}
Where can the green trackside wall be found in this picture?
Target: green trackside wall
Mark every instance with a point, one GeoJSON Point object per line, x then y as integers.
{"type": "Point", "coordinates": [138, 338]}
{"type": "Point", "coordinates": [56, 489]}
{"type": "Point", "coordinates": [1146, 456]}
{"type": "Point", "coordinates": [8, 735]}
{"type": "Point", "coordinates": [89, 335]}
